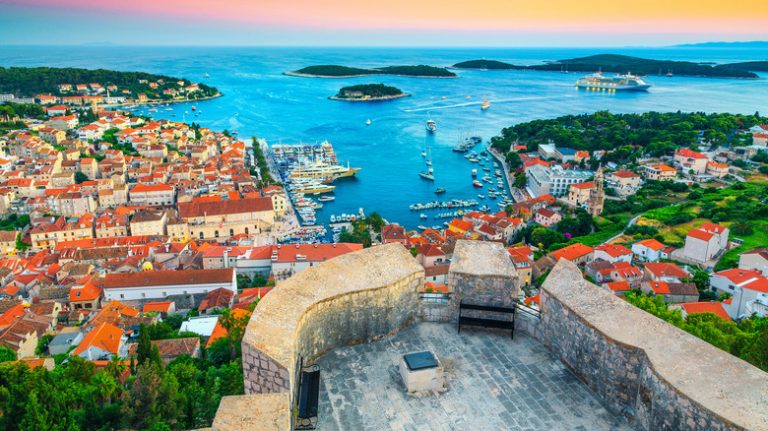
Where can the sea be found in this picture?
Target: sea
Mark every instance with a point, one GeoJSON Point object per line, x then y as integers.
{"type": "Point", "coordinates": [259, 100]}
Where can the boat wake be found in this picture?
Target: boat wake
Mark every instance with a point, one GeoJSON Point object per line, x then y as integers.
{"type": "Point", "coordinates": [479, 103]}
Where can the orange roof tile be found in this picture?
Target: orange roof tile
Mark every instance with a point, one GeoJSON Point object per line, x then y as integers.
{"type": "Point", "coordinates": [105, 337]}
{"type": "Point", "coordinates": [715, 308]}
{"type": "Point", "coordinates": [571, 252]}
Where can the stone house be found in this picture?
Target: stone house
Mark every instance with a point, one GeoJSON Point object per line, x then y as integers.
{"type": "Point", "coordinates": [756, 259]}
{"type": "Point", "coordinates": [672, 292]}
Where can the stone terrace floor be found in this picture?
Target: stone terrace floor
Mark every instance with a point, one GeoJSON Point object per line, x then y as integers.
{"type": "Point", "coordinates": [494, 383]}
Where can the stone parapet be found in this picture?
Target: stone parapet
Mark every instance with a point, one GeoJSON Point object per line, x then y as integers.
{"type": "Point", "coordinates": [353, 298]}
{"type": "Point", "coordinates": [481, 272]}
{"type": "Point", "coordinates": [657, 375]}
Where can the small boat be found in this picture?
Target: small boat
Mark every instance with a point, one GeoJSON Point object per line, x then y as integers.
{"type": "Point", "coordinates": [424, 153]}
{"type": "Point", "coordinates": [481, 196]}
{"type": "Point", "coordinates": [429, 162]}
{"type": "Point", "coordinates": [423, 216]}
{"type": "Point", "coordinates": [194, 108]}
{"type": "Point", "coordinates": [474, 172]}
{"type": "Point", "coordinates": [473, 160]}
{"type": "Point", "coordinates": [439, 190]}
{"type": "Point", "coordinates": [368, 122]}
{"type": "Point", "coordinates": [486, 104]}
{"type": "Point", "coordinates": [326, 198]}
{"type": "Point", "coordinates": [206, 75]}
{"type": "Point", "coordinates": [429, 174]}
{"type": "Point", "coordinates": [431, 126]}
{"type": "Point", "coordinates": [477, 183]}
{"type": "Point", "coordinates": [333, 218]}
{"type": "Point", "coordinates": [421, 227]}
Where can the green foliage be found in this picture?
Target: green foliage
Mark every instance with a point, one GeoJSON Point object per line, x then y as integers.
{"type": "Point", "coordinates": [261, 163]}
{"type": "Point", "coordinates": [544, 237]}
{"type": "Point", "coordinates": [144, 347]}
{"type": "Point", "coordinates": [370, 90]}
{"type": "Point", "coordinates": [360, 234]}
{"type": "Point", "coordinates": [624, 136]}
{"type": "Point", "coordinates": [7, 354]}
{"type": "Point", "coordinates": [579, 225]}
{"type": "Point", "coordinates": [335, 71]}
{"type": "Point", "coordinates": [30, 81]}
{"type": "Point", "coordinates": [486, 65]}
{"type": "Point", "coordinates": [80, 177]}
{"type": "Point", "coordinates": [9, 111]}
{"type": "Point", "coordinates": [520, 180]}
{"type": "Point", "coordinates": [14, 222]}
{"type": "Point", "coordinates": [42, 344]}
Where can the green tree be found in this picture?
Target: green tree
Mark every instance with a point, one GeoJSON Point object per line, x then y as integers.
{"type": "Point", "coordinates": [80, 177]}
{"type": "Point", "coordinates": [144, 347]}
{"type": "Point", "coordinates": [7, 354]}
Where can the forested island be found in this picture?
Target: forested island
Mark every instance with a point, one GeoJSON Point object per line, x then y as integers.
{"type": "Point", "coordinates": [31, 82]}
{"type": "Point", "coordinates": [628, 135]}
{"type": "Point", "coordinates": [624, 64]}
{"type": "Point", "coordinates": [369, 93]}
{"type": "Point", "coordinates": [335, 71]}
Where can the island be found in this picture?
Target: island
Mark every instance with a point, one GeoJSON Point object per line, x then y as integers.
{"type": "Point", "coordinates": [335, 71]}
{"type": "Point", "coordinates": [368, 93]}
{"type": "Point", "coordinates": [71, 86]}
{"type": "Point", "coordinates": [625, 64]}
{"type": "Point", "coordinates": [486, 65]}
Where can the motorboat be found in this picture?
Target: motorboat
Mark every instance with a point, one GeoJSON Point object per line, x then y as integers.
{"type": "Point", "coordinates": [431, 126]}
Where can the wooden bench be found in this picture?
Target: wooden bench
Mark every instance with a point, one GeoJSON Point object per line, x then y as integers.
{"type": "Point", "coordinates": [487, 321]}
{"type": "Point", "coordinates": [309, 397]}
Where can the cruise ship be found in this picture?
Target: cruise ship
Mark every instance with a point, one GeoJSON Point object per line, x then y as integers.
{"type": "Point", "coordinates": [626, 82]}
{"type": "Point", "coordinates": [323, 172]}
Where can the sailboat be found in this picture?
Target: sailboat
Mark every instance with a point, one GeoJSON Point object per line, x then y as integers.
{"type": "Point", "coordinates": [429, 174]}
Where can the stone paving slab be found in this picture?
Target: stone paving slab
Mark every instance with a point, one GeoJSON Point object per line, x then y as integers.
{"type": "Point", "coordinates": [494, 383]}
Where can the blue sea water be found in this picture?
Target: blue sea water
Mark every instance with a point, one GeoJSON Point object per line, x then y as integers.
{"type": "Point", "coordinates": [260, 101]}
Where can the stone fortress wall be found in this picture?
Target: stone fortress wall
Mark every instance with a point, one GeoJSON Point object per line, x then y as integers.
{"type": "Point", "coordinates": [617, 350]}
{"type": "Point", "coordinates": [656, 375]}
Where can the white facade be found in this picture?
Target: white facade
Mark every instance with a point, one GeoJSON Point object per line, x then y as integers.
{"type": "Point", "coordinates": [161, 292]}
{"type": "Point", "coordinates": [700, 250]}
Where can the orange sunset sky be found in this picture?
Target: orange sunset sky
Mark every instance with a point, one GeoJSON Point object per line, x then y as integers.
{"type": "Point", "coordinates": [407, 22]}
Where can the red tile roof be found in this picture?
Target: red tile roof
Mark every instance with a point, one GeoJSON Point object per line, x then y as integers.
{"type": "Point", "coordinates": [625, 174]}
{"type": "Point", "coordinates": [652, 244]}
{"type": "Point", "coordinates": [571, 252]}
{"type": "Point", "coordinates": [715, 308]}
{"type": "Point", "coordinates": [313, 252]}
{"type": "Point", "coordinates": [712, 227]}
{"type": "Point", "coordinates": [217, 298]}
{"type": "Point", "coordinates": [664, 269]}
{"type": "Point", "coordinates": [145, 188]}
{"type": "Point", "coordinates": [238, 206]}
{"type": "Point", "coordinates": [167, 277]}
{"type": "Point", "coordinates": [88, 292]}
{"type": "Point", "coordinates": [619, 286]}
{"type": "Point", "coordinates": [614, 250]}
{"type": "Point", "coordinates": [700, 234]}
{"type": "Point", "coordinates": [685, 152]}
{"type": "Point", "coordinates": [738, 276]}
{"type": "Point", "coordinates": [157, 307]}
{"type": "Point", "coordinates": [105, 337]}
{"type": "Point", "coordinates": [760, 285]}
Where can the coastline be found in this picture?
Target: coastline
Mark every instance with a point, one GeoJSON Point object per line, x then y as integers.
{"type": "Point", "coordinates": [162, 102]}
{"type": "Point", "coordinates": [307, 75]}
{"type": "Point", "coordinates": [372, 99]}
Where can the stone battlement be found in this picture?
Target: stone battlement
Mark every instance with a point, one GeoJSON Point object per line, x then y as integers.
{"type": "Point", "coordinates": [660, 377]}
{"type": "Point", "coordinates": [654, 374]}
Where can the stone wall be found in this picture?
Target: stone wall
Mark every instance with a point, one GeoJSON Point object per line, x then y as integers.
{"type": "Point", "coordinates": [482, 273]}
{"type": "Point", "coordinates": [354, 298]}
{"type": "Point", "coordinates": [655, 374]}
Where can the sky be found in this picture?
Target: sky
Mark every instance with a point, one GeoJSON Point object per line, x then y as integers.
{"type": "Point", "coordinates": [381, 22]}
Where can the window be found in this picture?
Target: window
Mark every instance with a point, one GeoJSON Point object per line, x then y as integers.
{"type": "Point", "coordinates": [122, 296]}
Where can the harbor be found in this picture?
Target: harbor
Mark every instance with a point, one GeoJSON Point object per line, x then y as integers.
{"type": "Point", "coordinates": [260, 101]}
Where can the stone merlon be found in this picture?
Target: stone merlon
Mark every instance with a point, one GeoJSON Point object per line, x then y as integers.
{"type": "Point", "coordinates": [482, 258]}
{"type": "Point", "coordinates": [273, 327]}
{"type": "Point", "coordinates": [672, 379]}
